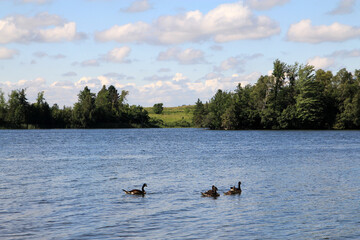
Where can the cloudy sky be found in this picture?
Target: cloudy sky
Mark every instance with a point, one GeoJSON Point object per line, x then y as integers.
{"type": "Point", "coordinates": [172, 52]}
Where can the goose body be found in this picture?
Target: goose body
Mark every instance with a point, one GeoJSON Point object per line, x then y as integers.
{"type": "Point", "coordinates": [137, 191]}
{"type": "Point", "coordinates": [211, 193]}
{"type": "Point", "coordinates": [234, 190]}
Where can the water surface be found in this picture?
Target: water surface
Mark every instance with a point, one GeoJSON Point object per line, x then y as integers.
{"type": "Point", "coordinates": [67, 184]}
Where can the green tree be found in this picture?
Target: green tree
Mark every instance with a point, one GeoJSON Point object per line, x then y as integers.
{"type": "Point", "coordinates": [158, 108]}
{"type": "Point", "coordinates": [3, 109]}
{"type": "Point", "coordinates": [309, 104]}
{"type": "Point", "coordinates": [329, 96]}
{"type": "Point", "coordinates": [40, 112]}
{"type": "Point", "coordinates": [348, 98]}
{"type": "Point", "coordinates": [103, 105]}
{"type": "Point", "coordinates": [138, 116]}
{"type": "Point", "coordinates": [217, 107]}
{"type": "Point", "coordinates": [199, 114]}
{"type": "Point", "coordinates": [114, 97]}
{"type": "Point", "coordinates": [279, 71]}
{"type": "Point", "coordinates": [18, 112]}
{"type": "Point", "coordinates": [229, 119]}
{"type": "Point", "coordinates": [83, 114]}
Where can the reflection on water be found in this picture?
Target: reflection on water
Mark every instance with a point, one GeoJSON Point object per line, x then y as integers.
{"type": "Point", "coordinates": [67, 184]}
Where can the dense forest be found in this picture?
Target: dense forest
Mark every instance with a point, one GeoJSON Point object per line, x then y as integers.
{"type": "Point", "coordinates": [294, 97]}
{"type": "Point", "coordinates": [107, 109]}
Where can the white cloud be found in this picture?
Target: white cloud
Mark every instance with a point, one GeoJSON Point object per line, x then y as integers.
{"type": "Point", "coordinates": [187, 56]}
{"type": "Point", "coordinates": [6, 53]}
{"type": "Point", "coordinates": [227, 22]}
{"type": "Point", "coordinates": [38, 82]}
{"type": "Point", "coordinates": [265, 4]}
{"type": "Point", "coordinates": [118, 54]}
{"type": "Point", "coordinates": [67, 32]}
{"type": "Point", "coordinates": [213, 82]}
{"type": "Point", "coordinates": [138, 6]}
{"type": "Point", "coordinates": [179, 77]}
{"type": "Point", "coordinates": [33, 87]}
{"type": "Point", "coordinates": [132, 32]}
{"type": "Point", "coordinates": [321, 62]}
{"type": "Point", "coordinates": [304, 31]}
{"type": "Point", "coordinates": [93, 83]}
{"type": "Point", "coordinates": [42, 27]}
{"type": "Point", "coordinates": [344, 7]}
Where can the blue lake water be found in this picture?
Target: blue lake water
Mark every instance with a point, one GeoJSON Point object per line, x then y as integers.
{"type": "Point", "coordinates": [67, 184]}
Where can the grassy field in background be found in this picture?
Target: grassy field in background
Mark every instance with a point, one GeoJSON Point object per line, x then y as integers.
{"type": "Point", "coordinates": [173, 116]}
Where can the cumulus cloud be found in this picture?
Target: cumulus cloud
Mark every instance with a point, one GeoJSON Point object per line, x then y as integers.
{"type": "Point", "coordinates": [304, 31]}
{"type": "Point", "coordinates": [265, 4]}
{"type": "Point", "coordinates": [344, 7]}
{"type": "Point", "coordinates": [212, 82]}
{"type": "Point", "coordinates": [138, 6]}
{"type": "Point", "coordinates": [321, 62]}
{"type": "Point", "coordinates": [118, 54]}
{"type": "Point", "coordinates": [187, 56]}
{"type": "Point", "coordinates": [43, 27]}
{"type": "Point", "coordinates": [6, 53]}
{"type": "Point", "coordinates": [227, 22]}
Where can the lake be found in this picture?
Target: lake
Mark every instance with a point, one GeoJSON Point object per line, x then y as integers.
{"type": "Point", "coordinates": [67, 184]}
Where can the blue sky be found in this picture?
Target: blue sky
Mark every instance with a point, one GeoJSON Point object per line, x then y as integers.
{"type": "Point", "coordinates": [172, 52]}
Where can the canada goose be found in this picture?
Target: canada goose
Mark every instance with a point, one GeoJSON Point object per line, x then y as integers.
{"type": "Point", "coordinates": [234, 190]}
{"type": "Point", "coordinates": [137, 191]}
{"type": "Point", "coordinates": [211, 193]}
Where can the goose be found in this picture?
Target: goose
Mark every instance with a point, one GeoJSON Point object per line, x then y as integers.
{"type": "Point", "coordinates": [137, 191]}
{"type": "Point", "coordinates": [211, 193]}
{"type": "Point", "coordinates": [234, 190]}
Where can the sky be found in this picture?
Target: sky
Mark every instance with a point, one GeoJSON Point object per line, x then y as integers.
{"type": "Point", "coordinates": [170, 52]}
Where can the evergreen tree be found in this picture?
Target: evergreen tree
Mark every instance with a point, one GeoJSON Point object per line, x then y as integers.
{"type": "Point", "coordinates": [18, 112]}
{"type": "Point", "coordinates": [199, 114]}
{"type": "Point", "coordinates": [83, 115]}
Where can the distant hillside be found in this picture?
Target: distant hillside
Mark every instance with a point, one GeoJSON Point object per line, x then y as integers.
{"type": "Point", "coordinates": [173, 117]}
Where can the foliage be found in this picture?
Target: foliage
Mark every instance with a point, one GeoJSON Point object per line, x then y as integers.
{"type": "Point", "coordinates": [107, 109]}
{"type": "Point", "coordinates": [293, 97]}
{"type": "Point", "coordinates": [158, 108]}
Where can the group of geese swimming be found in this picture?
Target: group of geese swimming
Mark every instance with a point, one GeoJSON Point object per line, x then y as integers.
{"type": "Point", "coordinates": [211, 193]}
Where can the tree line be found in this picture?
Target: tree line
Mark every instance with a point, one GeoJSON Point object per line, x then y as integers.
{"type": "Point", "coordinates": [293, 97]}
{"type": "Point", "coordinates": [106, 109]}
